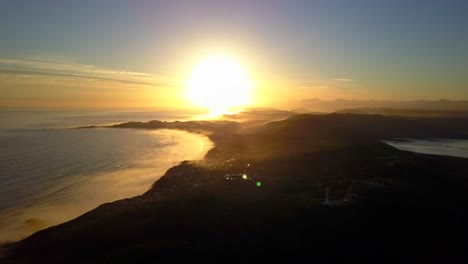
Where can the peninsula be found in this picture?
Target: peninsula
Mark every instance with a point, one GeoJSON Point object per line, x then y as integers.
{"type": "Point", "coordinates": [318, 186]}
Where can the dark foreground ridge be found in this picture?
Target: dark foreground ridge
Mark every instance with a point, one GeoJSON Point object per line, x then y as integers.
{"type": "Point", "coordinates": [313, 188]}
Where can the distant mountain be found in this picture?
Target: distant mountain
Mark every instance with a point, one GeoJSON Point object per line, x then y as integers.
{"type": "Point", "coordinates": [315, 104]}
{"type": "Point", "coordinates": [406, 112]}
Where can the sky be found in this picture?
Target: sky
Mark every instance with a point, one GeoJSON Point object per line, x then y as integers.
{"type": "Point", "coordinates": [139, 53]}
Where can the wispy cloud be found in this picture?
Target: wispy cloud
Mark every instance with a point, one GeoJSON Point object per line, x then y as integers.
{"type": "Point", "coordinates": [327, 84]}
{"type": "Point", "coordinates": [343, 80]}
{"type": "Point", "coordinates": [33, 67]}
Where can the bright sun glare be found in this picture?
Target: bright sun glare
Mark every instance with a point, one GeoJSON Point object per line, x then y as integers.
{"type": "Point", "coordinates": [219, 83]}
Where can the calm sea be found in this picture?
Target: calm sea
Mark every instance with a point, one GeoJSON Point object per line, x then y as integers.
{"type": "Point", "coordinates": [50, 174]}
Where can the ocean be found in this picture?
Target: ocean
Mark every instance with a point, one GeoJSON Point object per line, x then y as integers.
{"type": "Point", "coordinates": [445, 147]}
{"type": "Point", "coordinates": [50, 174]}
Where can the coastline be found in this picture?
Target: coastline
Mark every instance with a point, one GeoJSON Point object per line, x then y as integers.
{"type": "Point", "coordinates": [127, 178]}
{"type": "Point", "coordinates": [195, 206]}
{"type": "Point", "coordinates": [212, 139]}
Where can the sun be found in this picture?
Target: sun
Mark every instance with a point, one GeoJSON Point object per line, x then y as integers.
{"type": "Point", "coordinates": [220, 84]}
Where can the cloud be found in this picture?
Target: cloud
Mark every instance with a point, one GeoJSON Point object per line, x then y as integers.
{"type": "Point", "coordinates": [343, 80]}
{"type": "Point", "coordinates": [32, 67]}
{"type": "Point", "coordinates": [330, 84]}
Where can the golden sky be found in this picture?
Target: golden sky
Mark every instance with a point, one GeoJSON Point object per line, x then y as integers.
{"type": "Point", "coordinates": [134, 54]}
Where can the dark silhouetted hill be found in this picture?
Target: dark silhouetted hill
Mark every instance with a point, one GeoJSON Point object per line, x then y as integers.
{"type": "Point", "coordinates": [315, 104]}
{"type": "Point", "coordinates": [406, 112]}
{"type": "Point", "coordinates": [259, 196]}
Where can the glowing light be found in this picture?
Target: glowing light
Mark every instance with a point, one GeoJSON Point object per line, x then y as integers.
{"type": "Point", "coordinates": [219, 83]}
{"type": "Point", "coordinates": [259, 184]}
{"type": "Point", "coordinates": [244, 177]}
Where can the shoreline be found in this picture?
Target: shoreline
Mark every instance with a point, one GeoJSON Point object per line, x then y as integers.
{"type": "Point", "coordinates": [206, 144]}
{"type": "Point", "coordinates": [268, 181]}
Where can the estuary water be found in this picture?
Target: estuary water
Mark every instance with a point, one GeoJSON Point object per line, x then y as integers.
{"type": "Point", "coordinates": [445, 147]}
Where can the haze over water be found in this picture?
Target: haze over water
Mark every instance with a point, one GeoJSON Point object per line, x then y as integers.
{"type": "Point", "coordinates": [50, 176]}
